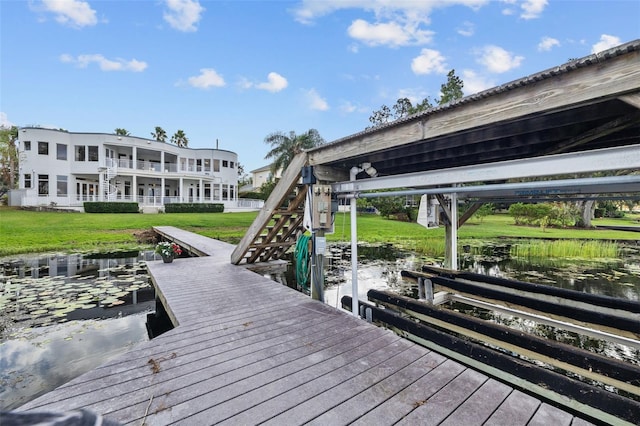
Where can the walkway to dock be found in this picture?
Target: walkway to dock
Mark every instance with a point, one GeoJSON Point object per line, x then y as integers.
{"type": "Point", "coordinates": [247, 350]}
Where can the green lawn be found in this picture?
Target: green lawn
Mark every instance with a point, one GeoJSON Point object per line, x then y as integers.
{"type": "Point", "coordinates": [30, 232]}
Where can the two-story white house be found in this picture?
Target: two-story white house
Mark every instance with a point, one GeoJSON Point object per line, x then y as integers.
{"type": "Point", "coordinates": [65, 169]}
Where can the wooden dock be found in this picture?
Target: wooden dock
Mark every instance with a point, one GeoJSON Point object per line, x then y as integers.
{"type": "Point", "coordinates": [247, 350]}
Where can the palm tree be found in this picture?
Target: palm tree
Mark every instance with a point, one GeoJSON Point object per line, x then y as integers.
{"type": "Point", "coordinates": [284, 148]}
{"type": "Point", "coordinates": [121, 132]}
{"type": "Point", "coordinates": [160, 135]}
{"type": "Point", "coordinates": [180, 139]}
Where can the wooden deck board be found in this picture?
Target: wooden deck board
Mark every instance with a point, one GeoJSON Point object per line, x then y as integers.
{"type": "Point", "coordinates": [247, 350]}
{"type": "Point", "coordinates": [480, 406]}
{"type": "Point", "coordinates": [437, 408]}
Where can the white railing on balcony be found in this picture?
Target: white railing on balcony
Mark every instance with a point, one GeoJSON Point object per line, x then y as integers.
{"type": "Point", "coordinates": [125, 163]}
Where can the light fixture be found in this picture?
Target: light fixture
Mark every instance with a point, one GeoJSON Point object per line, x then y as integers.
{"type": "Point", "coordinates": [369, 169]}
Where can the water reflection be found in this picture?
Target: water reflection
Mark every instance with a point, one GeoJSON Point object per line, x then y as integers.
{"type": "Point", "coordinates": [43, 290]}
{"type": "Point", "coordinates": [63, 315]}
{"type": "Point", "coordinates": [38, 360]}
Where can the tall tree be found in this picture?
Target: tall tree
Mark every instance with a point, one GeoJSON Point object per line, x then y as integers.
{"type": "Point", "coordinates": [180, 139]}
{"type": "Point", "coordinates": [285, 147]}
{"type": "Point", "coordinates": [160, 135]}
{"type": "Point", "coordinates": [121, 132]}
{"type": "Point", "coordinates": [8, 158]}
{"type": "Point", "coordinates": [451, 90]}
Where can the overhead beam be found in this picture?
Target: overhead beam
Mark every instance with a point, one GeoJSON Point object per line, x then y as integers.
{"type": "Point", "coordinates": [598, 132]}
{"type": "Point", "coordinates": [633, 99]}
{"type": "Point", "coordinates": [606, 159]}
{"type": "Point", "coordinates": [610, 184]}
{"type": "Point", "coordinates": [536, 94]}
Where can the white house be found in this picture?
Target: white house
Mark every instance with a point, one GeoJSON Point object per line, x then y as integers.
{"type": "Point", "coordinates": [65, 169]}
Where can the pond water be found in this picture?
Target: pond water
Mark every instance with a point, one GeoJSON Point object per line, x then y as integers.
{"type": "Point", "coordinates": [63, 315]}
{"type": "Point", "coordinates": [379, 268]}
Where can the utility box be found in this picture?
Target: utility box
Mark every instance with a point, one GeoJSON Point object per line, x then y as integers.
{"type": "Point", "coordinates": [322, 208]}
{"type": "Point", "coordinates": [428, 212]}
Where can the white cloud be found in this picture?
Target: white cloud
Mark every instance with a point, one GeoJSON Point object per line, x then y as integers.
{"type": "Point", "coordinates": [118, 64]}
{"type": "Point", "coordinates": [315, 101]}
{"type": "Point", "coordinates": [309, 10]}
{"type": "Point", "coordinates": [395, 23]}
{"type": "Point", "coordinates": [73, 13]}
{"type": "Point", "coordinates": [4, 121]}
{"type": "Point", "coordinates": [467, 29]}
{"type": "Point", "coordinates": [606, 42]}
{"type": "Point", "coordinates": [498, 60]}
{"type": "Point", "coordinates": [183, 15]}
{"type": "Point", "coordinates": [547, 43]}
{"type": "Point", "coordinates": [275, 83]}
{"type": "Point", "coordinates": [429, 61]}
{"type": "Point", "coordinates": [533, 8]}
{"type": "Point", "coordinates": [390, 33]}
{"type": "Point", "coordinates": [208, 78]}
{"type": "Point", "coordinates": [415, 95]}
{"type": "Point", "coordinates": [474, 83]}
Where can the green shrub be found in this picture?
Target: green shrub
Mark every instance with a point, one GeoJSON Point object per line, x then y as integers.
{"type": "Point", "coordinates": [529, 214]}
{"type": "Point", "coordinates": [252, 195]}
{"type": "Point", "coordinates": [193, 208]}
{"type": "Point", "coordinates": [110, 207]}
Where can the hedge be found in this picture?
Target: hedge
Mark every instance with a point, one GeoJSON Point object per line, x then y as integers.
{"type": "Point", "coordinates": [110, 207]}
{"type": "Point", "coordinates": [193, 208]}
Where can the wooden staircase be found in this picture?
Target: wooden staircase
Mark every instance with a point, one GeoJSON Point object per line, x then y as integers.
{"type": "Point", "coordinates": [279, 223]}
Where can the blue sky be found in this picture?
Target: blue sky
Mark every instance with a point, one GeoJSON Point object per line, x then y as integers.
{"type": "Point", "coordinates": [236, 71]}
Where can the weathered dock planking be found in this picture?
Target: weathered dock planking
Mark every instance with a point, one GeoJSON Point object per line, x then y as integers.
{"type": "Point", "coordinates": [247, 350]}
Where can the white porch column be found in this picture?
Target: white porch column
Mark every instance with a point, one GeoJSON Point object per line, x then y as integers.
{"type": "Point", "coordinates": [134, 188]}
{"type": "Point", "coordinates": [134, 160]}
{"type": "Point", "coordinates": [201, 190]}
{"type": "Point", "coordinates": [101, 186]}
{"type": "Point", "coordinates": [162, 183]}
{"type": "Point", "coordinates": [180, 188]}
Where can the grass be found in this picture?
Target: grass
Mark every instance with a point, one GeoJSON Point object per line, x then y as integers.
{"type": "Point", "coordinates": [31, 232]}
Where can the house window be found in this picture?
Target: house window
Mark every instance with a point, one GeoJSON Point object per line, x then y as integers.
{"type": "Point", "coordinates": [61, 186]}
{"type": "Point", "coordinates": [207, 191]}
{"type": "Point", "coordinates": [43, 148]}
{"type": "Point", "coordinates": [61, 151]}
{"type": "Point", "coordinates": [81, 153]}
{"type": "Point", "coordinates": [198, 165]}
{"type": "Point", "coordinates": [93, 153]}
{"type": "Point", "coordinates": [231, 164]}
{"type": "Point", "coordinates": [27, 180]}
{"type": "Point", "coordinates": [225, 163]}
{"type": "Point", "coordinates": [225, 192]}
{"type": "Point", "coordinates": [216, 165]}
{"type": "Point", "coordinates": [207, 165]}
{"type": "Point", "coordinates": [27, 145]}
{"type": "Point", "coordinates": [232, 190]}
{"type": "Point", "coordinates": [43, 184]}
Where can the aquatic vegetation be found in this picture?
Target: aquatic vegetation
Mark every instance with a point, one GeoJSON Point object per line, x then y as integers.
{"type": "Point", "coordinates": [583, 249]}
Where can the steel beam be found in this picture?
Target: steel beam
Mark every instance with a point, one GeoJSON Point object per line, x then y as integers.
{"type": "Point", "coordinates": [606, 159]}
